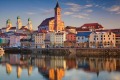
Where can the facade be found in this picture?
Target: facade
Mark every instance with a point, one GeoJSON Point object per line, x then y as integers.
{"type": "Point", "coordinates": [82, 39]}
{"type": "Point", "coordinates": [70, 40]}
{"type": "Point", "coordinates": [39, 40]}
{"type": "Point", "coordinates": [54, 23]}
{"type": "Point", "coordinates": [57, 39]}
{"type": "Point", "coordinates": [102, 39]}
{"type": "Point", "coordinates": [15, 39]}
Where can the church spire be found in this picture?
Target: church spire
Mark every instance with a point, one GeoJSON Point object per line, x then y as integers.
{"type": "Point", "coordinates": [57, 5]}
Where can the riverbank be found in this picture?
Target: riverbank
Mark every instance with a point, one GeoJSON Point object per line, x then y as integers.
{"type": "Point", "coordinates": [81, 52]}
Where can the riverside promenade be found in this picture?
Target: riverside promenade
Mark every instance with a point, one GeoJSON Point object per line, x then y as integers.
{"type": "Point", "coordinates": [80, 52]}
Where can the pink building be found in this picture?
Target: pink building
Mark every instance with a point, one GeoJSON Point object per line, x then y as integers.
{"type": "Point", "coordinates": [71, 37]}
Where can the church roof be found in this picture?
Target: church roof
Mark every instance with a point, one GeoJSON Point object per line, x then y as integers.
{"type": "Point", "coordinates": [57, 5]}
{"type": "Point", "coordinates": [12, 28]}
{"type": "Point", "coordinates": [46, 22]}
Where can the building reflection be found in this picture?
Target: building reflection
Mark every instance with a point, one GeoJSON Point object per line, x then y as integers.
{"type": "Point", "coordinates": [51, 67]}
{"type": "Point", "coordinates": [19, 71]}
{"type": "Point", "coordinates": [54, 67]}
{"type": "Point", "coordinates": [8, 68]}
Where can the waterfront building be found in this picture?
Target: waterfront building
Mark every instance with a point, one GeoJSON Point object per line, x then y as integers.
{"type": "Point", "coordinates": [54, 23]}
{"type": "Point", "coordinates": [57, 39]}
{"type": "Point", "coordinates": [82, 39]}
{"type": "Point", "coordinates": [15, 39]}
{"type": "Point", "coordinates": [102, 39]}
{"type": "Point", "coordinates": [25, 42]}
{"type": "Point", "coordinates": [39, 40]}
{"type": "Point", "coordinates": [90, 27]}
{"type": "Point", "coordinates": [70, 40]}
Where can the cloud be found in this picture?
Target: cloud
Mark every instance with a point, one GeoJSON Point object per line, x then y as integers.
{"type": "Point", "coordinates": [88, 5]}
{"type": "Point", "coordinates": [68, 13]}
{"type": "Point", "coordinates": [81, 16]}
{"type": "Point", "coordinates": [77, 10]}
{"type": "Point", "coordinates": [30, 13]}
{"type": "Point", "coordinates": [74, 7]}
{"type": "Point", "coordinates": [47, 11]}
{"type": "Point", "coordinates": [115, 9]}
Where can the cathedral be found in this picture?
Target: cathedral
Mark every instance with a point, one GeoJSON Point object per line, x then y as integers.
{"type": "Point", "coordinates": [19, 26]}
{"type": "Point", "coordinates": [54, 23]}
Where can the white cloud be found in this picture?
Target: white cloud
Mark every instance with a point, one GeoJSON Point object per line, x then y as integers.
{"type": "Point", "coordinates": [74, 7]}
{"type": "Point", "coordinates": [115, 9]}
{"type": "Point", "coordinates": [88, 5]}
{"type": "Point", "coordinates": [68, 13]}
{"type": "Point", "coordinates": [30, 13]}
{"type": "Point", "coordinates": [81, 16]}
{"type": "Point", "coordinates": [76, 10]}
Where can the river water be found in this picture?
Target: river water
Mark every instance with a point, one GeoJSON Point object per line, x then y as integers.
{"type": "Point", "coordinates": [26, 67]}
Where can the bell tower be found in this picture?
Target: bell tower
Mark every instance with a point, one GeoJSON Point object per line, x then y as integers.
{"type": "Point", "coordinates": [19, 22]}
{"type": "Point", "coordinates": [29, 24]}
{"type": "Point", "coordinates": [57, 16]}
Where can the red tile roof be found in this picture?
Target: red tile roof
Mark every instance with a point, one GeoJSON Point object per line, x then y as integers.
{"type": "Point", "coordinates": [46, 22]}
{"type": "Point", "coordinates": [92, 25]}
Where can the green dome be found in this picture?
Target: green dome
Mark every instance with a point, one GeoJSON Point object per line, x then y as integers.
{"type": "Point", "coordinates": [29, 19]}
{"type": "Point", "coordinates": [18, 17]}
{"type": "Point", "coordinates": [8, 21]}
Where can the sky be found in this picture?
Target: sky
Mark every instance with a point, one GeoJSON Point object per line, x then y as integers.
{"type": "Point", "coordinates": [74, 12]}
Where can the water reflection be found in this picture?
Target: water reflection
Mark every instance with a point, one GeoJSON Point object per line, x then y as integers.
{"type": "Point", "coordinates": [60, 68]}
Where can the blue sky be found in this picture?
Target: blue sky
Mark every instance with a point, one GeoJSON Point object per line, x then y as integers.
{"type": "Point", "coordinates": [74, 12]}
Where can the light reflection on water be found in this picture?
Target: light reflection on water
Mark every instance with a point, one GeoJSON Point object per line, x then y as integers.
{"type": "Point", "coordinates": [25, 67]}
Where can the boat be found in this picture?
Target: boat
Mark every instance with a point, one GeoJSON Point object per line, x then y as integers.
{"type": "Point", "coordinates": [1, 52]}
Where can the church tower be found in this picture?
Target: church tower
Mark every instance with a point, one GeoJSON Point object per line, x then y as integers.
{"type": "Point", "coordinates": [19, 22]}
{"type": "Point", "coordinates": [57, 17]}
{"type": "Point", "coordinates": [8, 24]}
{"type": "Point", "coordinates": [29, 24]}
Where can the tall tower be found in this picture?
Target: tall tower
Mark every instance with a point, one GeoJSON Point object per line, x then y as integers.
{"type": "Point", "coordinates": [19, 22]}
{"type": "Point", "coordinates": [57, 16]}
{"type": "Point", "coordinates": [8, 24]}
{"type": "Point", "coordinates": [29, 24]}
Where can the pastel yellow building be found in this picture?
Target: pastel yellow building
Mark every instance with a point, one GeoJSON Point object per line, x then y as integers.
{"type": "Point", "coordinates": [102, 39]}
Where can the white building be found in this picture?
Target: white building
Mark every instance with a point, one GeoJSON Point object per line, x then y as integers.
{"type": "Point", "coordinates": [15, 39]}
{"type": "Point", "coordinates": [57, 39]}
{"type": "Point", "coordinates": [39, 40]}
{"type": "Point", "coordinates": [102, 39]}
